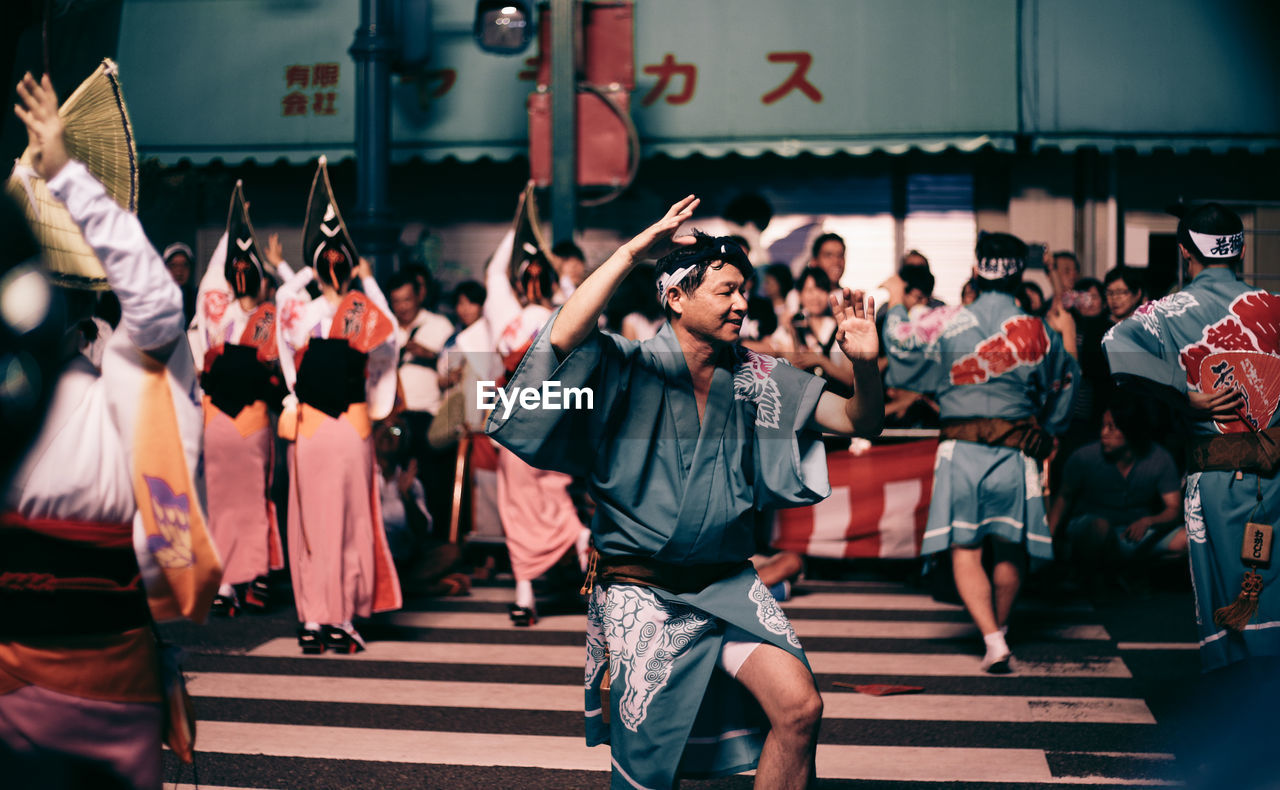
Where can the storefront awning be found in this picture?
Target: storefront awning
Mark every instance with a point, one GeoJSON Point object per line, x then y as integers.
{"type": "Point", "coordinates": [264, 80]}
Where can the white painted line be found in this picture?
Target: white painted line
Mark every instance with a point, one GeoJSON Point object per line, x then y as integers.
{"type": "Point", "coordinates": [897, 664]}
{"type": "Point", "coordinates": [534, 696]}
{"type": "Point", "coordinates": [884, 763]}
{"type": "Point", "coordinates": [375, 691]}
{"type": "Point", "coordinates": [402, 746]}
{"type": "Point", "coordinates": [1157, 646]}
{"type": "Point", "coordinates": [908, 602]}
{"type": "Point", "coordinates": [851, 629]}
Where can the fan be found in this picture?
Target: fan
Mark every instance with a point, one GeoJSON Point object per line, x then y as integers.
{"type": "Point", "coordinates": [98, 134]}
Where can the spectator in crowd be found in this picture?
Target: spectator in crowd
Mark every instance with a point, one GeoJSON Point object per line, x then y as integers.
{"type": "Point", "coordinates": [1121, 496]}
{"type": "Point", "coordinates": [1064, 270]}
{"type": "Point", "coordinates": [571, 266]}
{"type": "Point", "coordinates": [777, 285]}
{"type": "Point", "coordinates": [1125, 291]}
{"type": "Point", "coordinates": [968, 293]}
{"type": "Point", "coordinates": [177, 259]}
{"type": "Point", "coordinates": [420, 336]}
{"type": "Point", "coordinates": [423, 562]}
{"type": "Point", "coordinates": [808, 340]}
{"type": "Point", "coordinates": [468, 358]}
{"type": "Point", "coordinates": [1031, 299]}
{"type": "Point", "coordinates": [828, 255]}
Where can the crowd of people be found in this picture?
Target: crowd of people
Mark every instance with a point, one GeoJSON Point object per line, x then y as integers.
{"type": "Point", "coordinates": [347, 403]}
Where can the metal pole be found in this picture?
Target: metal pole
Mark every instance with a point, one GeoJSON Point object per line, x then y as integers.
{"type": "Point", "coordinates": [564, 117]}
{"type": "Point", "coordinates": [372, 51]}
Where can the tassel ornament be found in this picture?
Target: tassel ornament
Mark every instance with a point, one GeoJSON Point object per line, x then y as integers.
{"type": "Point", "coordinates": [1237, 614]}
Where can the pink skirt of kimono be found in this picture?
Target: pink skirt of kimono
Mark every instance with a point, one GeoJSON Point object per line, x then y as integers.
{"type": "Point", "coordinates": [537, 515]}
{"type": "Point", "coordinates": [338, 555]}
{"type": "Point", "coordinates": [238, 457]}
{"type": "Point", "coordinates": [122, 738]}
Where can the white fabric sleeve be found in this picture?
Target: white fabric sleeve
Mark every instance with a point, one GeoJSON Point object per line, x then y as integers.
{"type": "Point", "coordinates": [150, 301]}
{"type": "Point", "coordinates": [380, 387]}
{"type": "Point", "coordinates": [501, 306]}
{"type": "Point", "coordinates": [290, 296]}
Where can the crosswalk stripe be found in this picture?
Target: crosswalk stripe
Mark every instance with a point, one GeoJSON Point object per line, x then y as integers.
{"type": "Point", "coordinates": [882, 763]}
{"type": "Point", "coordinates": [534, 696]}
{"type": "Point", "coordinates": [911, 602]}
{"type": "Point", "coordinates": [897, 664]}
{"type": "Point", "coordinates": [848, 629]}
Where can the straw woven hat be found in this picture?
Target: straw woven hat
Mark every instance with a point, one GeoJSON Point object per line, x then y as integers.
{"type": "Point", "coordinates": [98, 134]}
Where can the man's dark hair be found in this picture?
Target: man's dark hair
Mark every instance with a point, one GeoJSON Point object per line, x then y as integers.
{"type": "Point", "coordinates": [1024, 298]}
{"type": "Point", "coordinates": [816, 274]}
{"type": "Point", "coordinates": [741, 242]}
{"type": "Point", "coordinates": [1132, 417]}
{"type": "Point", "coordinates": [918, 278]}
{"type": "Point", "coordinates": [916, 253]}
{"type": "Point", "coordinates": [1005, 285]}
{"type": "Point", "coordinates": [400, 279]}
{"type": "Point", "coordinates": [1090, 284]}
{"type": "Point", "coordinates": [823, 239]}
{"type": "Point", "coordinates": [781, 273]}
{"type": "Point", "coordinates": [474, 291]}
{"type": "Point", "coordinates": [1132, 278]}
{"type": "Point", "coordinates": [703, 254]}
{"type": "Point", "coordinates": [1213, 219]}
{"type": "Point", "coordinates": [1067, 254]}
{"type": "Point", "coordinates": [749, 207]}
{"type": "Point", "coordinates": [567, 249]}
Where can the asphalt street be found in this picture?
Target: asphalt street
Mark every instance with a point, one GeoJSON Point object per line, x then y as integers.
{"type": "Point", "coordinates": [450, 695]}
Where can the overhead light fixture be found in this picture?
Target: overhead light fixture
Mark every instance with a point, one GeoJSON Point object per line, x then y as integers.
{"type": "Point", "coordinates": [503, 27]}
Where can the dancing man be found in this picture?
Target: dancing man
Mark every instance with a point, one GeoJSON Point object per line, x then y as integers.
{"type": "Point", "coordinates": [687, 434]}
{"type": "Point", "coordinates": [1005, 387]}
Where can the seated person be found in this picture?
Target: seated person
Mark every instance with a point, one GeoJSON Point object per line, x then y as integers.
{"type": "Point", "coordinates": [424, 562]}
{"type": "Point", "coordinates": [1121, 496]}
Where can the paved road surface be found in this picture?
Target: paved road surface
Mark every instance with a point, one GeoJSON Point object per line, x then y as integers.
{"type": "Point", "coordinates": [450, 695]}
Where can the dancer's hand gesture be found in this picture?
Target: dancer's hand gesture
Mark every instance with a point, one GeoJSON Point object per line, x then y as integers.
{"type": "Point", "coordinates": [855, 324]}
{"type": "Point", "coordinates": [659, 238]}
{"type": "Point", "coordinates": [39, 111]}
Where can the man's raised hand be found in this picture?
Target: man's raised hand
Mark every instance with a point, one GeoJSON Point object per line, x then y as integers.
{"type": "Point", "coordinates": [855, 324]}
{"type": "Point", "coordinates": [39, 111]}
{"type": "Point", "coordinates": [659, 238]}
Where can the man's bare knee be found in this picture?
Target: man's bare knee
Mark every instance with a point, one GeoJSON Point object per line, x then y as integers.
{"type": "Point", "coordinates": [801, 719]}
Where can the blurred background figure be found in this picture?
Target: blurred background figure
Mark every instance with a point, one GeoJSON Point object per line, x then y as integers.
{"type": "Point", "coordinates": [178, 259]}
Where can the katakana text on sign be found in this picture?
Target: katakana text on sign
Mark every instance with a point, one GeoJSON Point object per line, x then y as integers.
{"type": "Point", "coordinates": [664, 71]}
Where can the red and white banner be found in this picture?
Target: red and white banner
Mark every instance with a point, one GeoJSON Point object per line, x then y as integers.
{"type": "Point", "coordinates": [878, 505]}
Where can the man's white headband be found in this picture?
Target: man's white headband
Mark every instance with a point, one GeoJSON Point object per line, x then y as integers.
{"type": "Point", "coordinates": [999, 268]}
{"type": "Point", "coordinates": [1214, 246]}
{"type": "Point", "coordinates": [669, 279]}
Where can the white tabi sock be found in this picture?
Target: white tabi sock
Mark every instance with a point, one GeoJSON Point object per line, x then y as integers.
{"type": "Point", "coordinates": [524, 595]}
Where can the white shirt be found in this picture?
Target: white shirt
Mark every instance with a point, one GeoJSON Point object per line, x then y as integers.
{"type": "Point", "coordinates": [421, 382]}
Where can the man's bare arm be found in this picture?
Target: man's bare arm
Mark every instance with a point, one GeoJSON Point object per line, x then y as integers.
{"type": "Point", "coordinates": [582, 312]}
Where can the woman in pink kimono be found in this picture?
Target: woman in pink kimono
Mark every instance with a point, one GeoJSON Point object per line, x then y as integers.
{"type": "Point", "coordinates": [538, 515]}
{"type": "Point", "coordinates": [338, 355]}
{"type": "Point", "coordinates": [233, 339]}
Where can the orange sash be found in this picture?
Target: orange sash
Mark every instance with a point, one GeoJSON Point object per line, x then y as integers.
{"type": "Point", "coordinates": [168, 506]}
